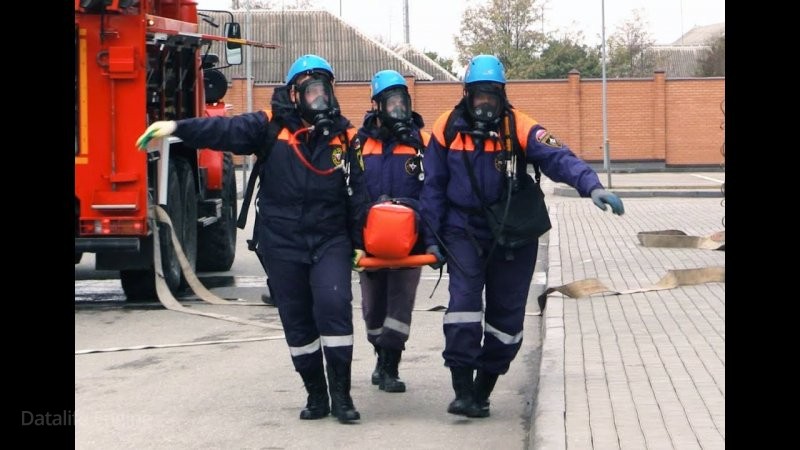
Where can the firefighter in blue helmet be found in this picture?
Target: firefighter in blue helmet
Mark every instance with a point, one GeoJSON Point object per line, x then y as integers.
{"type": "Point", "coordinates": [393, 143]}
{"type": "Point", "coordinates": [469, 141]}
{"type": "Point", "coordinates": [311, 205]}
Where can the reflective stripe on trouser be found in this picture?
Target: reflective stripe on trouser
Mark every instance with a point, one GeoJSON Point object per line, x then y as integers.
{"type": "Point", "coordinates": [315, 306]}
{"type": "Point", "coordinates": [387, 303]}
{"type": "Point", "coordinates": [507, 284]}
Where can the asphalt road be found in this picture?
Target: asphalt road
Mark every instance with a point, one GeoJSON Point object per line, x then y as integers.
{"type": "Point", "coordinates": [164, 379]}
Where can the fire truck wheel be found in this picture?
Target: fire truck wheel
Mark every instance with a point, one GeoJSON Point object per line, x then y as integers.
{"type": "Point", "coordinates": [216, 243]}
{"type": "Point", "coordinates": [140, 284]}
{"type": "Point", "coordinates": [187, 233]}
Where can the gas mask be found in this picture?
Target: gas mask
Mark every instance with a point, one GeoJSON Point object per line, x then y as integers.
{"type": "Point", "coordinates": [316, 102]}
{"type": "Point", "coordinates": [394, 110]}
{"type": "Point", "coordinates": [486, 102]}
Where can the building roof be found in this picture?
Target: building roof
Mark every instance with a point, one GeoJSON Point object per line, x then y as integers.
{"type": "Point", "coordinates": [422, 61]}
{"type": "Point", "coordinates": [701, 35]}
{"type": "Point", "coordinates": [353, 55]}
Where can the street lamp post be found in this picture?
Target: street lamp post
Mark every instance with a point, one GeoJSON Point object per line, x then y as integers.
{"type": "Point", "coordinates": [606, 157]}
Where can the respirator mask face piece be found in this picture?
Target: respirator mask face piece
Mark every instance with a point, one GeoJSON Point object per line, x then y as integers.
{"type": "Point", "coordinates": [486, 103]}
{"type": "Point", "coordinates": [394, 110]}
{"type": "Point", "coordinates": [316, 101]}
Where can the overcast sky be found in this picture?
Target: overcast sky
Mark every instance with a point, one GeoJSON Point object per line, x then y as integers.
{"type": "Point", "coordinates": [434, 23]}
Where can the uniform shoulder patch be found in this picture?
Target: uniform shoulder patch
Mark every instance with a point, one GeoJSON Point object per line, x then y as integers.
{"type": "Point", "coordinates": [360, 157]}
{"type": "Point", "coordinates": [336, 155]}
{"type": "Point", "coordinates": [547, 139]}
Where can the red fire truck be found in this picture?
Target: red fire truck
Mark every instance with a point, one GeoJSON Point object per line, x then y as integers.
{"type": "Point", "coordinates": [139, 61]}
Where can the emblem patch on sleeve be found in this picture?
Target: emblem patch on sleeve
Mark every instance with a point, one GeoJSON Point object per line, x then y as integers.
{"type": "Point", "coordinates": [336, 156]}
{"type": "Point", "coordinates": [360, 158]}
{"type": "Point", "coordinates": [547, 139]}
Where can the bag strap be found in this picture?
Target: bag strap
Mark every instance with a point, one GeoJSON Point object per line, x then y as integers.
{"type": "Point", "coordinates": [449, 130]}
{"type": "Point", "coordinates": [273, 128]}
{"type": "Point", "coordinates": [517, 146]}
{"type": "Point", "coordinates": [280, 105]}
{"type": "Point", "coordinates": [496, 233]}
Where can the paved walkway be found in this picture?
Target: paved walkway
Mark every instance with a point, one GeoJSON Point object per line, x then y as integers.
{"type": "Point", "coordinates": [642, 370]}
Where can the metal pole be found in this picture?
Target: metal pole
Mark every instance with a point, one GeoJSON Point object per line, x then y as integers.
{"type": "Point", "coordinates": [249, 76]}
{"type": "Point", "coordinates": [606, 157]}
{"type": "Point", "coordinates": [406, 38]}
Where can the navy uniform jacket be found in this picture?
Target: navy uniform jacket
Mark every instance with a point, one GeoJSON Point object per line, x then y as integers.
{"type": "Point", "coordinates": [448, 190]}
{"type": "Point", "coordinates": [300, 213]}
{"type": "Point", "coordinates": [391, 167]}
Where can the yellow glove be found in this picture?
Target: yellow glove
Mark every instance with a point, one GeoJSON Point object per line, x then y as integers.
{"type": "Point", "coordinates": [158, 129]}
{"type": "Point", "coordinates": [357, 255]}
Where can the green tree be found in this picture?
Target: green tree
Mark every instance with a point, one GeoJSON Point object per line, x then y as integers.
{"type": "Point", "coordinates": [628, 49]}
{"type": "Point", "coordinates": [506, 29]}
{"type": "Point", "coordinates": [712, 64]}
{"type": "Point", "coordinates": [560, 56]}
{"type": "Point", "coordinates": [446, 63]}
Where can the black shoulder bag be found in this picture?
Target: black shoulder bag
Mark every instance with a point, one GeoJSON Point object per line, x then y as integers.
{"type": "Point", "coordinates": [520, 216]}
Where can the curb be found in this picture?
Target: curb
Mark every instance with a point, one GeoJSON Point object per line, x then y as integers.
{"type": "Point", "coordinates": [549, 424]}
{"type": "Point", "coordinates": [650, 192]}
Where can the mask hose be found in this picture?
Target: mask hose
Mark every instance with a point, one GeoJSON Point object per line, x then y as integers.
{"type": "Point", "coordinates": [293, 141]}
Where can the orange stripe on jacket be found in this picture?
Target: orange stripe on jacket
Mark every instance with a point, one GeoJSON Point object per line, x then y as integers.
{"type": "Point", "coordinates": [524, 123]}
{"type": "Point", "coordinates": [373, 146]}
{"type": "Point", "coordinates": [285, 134]}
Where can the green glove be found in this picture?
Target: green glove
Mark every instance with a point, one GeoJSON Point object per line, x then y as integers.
{"type": "Point", "coordinates": [357, 255]}
{"type": "Point", "coordinates": [158, 129]}
{"type": "Point", "coordinates": [601, 197]}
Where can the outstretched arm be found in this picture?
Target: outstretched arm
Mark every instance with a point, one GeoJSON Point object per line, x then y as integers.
{"type": "Point", "coordinates": [241, 134]}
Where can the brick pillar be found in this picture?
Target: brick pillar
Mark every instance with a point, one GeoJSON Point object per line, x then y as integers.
{"type": "Point", "coordinates": [573, 138]}
{"type": "Point", "coordinates": [660, 116]}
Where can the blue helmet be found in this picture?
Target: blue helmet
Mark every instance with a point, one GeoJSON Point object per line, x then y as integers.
{"type": "Point", "coordinates": [308, 64]}
{"type": "Point", "coordinates": [485, 68]}
{"type": "Point", "coordinates": [386, 79]}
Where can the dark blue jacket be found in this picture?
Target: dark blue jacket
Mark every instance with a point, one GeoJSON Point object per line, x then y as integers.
{"type": "Point", "coordinates": [300, 213]}
{"type": "Point", "coordinates": [448, 193]}
{"type": "Point", "coordinates": [391, 168]}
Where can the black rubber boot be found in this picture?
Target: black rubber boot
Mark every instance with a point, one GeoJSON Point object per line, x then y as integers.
{"type": "Point", "coordinates": [484, 383]}
{"type": "Point", "coordinates": [317, 405]}
{"type": "Point", "coordinates": [391, 380]}
{"type": "Point", "coordinates": [341, 403]}
{"type": "Point", "coordinates": [377, 374]}
{"type": "Point", "coordinates": [464, 404]}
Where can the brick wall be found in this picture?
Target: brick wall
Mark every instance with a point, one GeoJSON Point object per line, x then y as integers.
{"type": "Point", "coordinates": [672, 121]}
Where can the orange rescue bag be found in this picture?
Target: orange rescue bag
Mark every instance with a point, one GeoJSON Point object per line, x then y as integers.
{"type": "Point", "coordinates": [391, 230]}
